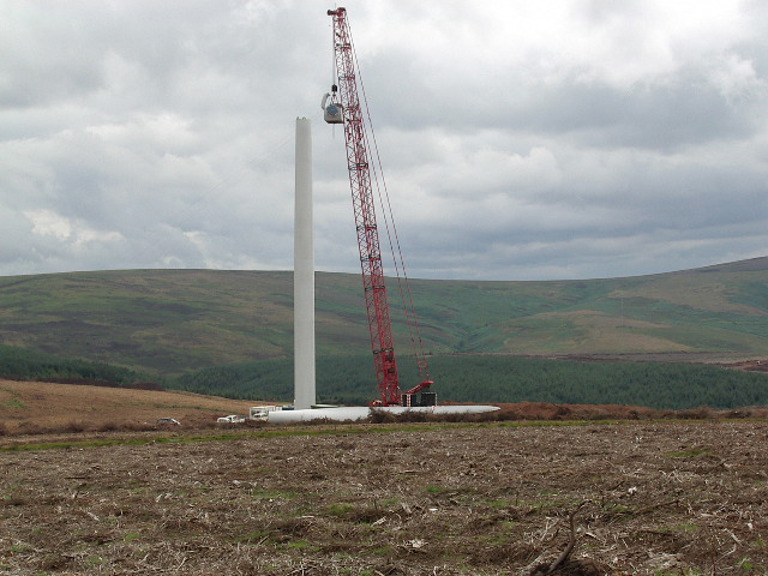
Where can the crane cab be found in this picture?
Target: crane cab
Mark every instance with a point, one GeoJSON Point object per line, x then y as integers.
{"type": "Point", "coordinates": [332, 110]}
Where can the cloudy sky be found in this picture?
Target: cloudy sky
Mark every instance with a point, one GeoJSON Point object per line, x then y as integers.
{"type": "Point", "coordinates": [556, 139]}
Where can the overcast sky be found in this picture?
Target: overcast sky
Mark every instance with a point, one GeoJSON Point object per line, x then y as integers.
{"type": "Point", "coordinates": [557, 139]}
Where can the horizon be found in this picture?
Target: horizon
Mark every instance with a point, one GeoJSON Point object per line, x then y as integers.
{"type": "Point", "coordinates": [389, 277]}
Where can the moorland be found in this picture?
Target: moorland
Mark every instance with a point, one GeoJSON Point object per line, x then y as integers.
{"type": "Point", "coordinates": [230, 333]}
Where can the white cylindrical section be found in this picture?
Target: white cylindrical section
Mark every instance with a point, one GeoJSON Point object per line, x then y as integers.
{"type": "Point", "coordinates": [353, 413]}
{"type": "Point", "coordinates": [303, 272]}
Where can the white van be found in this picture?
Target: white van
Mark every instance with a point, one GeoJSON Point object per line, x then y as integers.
{"type": "Point", "coordinates": [262, 412]}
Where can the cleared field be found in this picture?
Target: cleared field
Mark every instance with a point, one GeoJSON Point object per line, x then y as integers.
{"type": "Point", "coordinates": [641, 498]}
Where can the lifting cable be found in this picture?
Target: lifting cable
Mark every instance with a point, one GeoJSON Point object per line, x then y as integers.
{"type": "Point", "coordinates": [403, 284]}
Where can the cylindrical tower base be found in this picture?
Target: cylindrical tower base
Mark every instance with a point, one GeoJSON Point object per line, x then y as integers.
{"type": "Point", "coordinates": [304, 272]}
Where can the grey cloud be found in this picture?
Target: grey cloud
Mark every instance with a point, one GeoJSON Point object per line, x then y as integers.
{"type": "Point", "coordinates": [144, 134]}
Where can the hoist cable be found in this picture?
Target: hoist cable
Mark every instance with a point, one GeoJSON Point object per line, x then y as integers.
{"type": "Point", "coordinates": [382, 191]}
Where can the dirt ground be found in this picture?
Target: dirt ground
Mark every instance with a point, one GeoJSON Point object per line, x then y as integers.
{"type": "Point", "coordinates": [645, 497]}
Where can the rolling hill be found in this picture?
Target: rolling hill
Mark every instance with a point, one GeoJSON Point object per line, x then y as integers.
{"type": "Point", "coordinates": [229, 333]}
{"type": "Point", "coordinates": [170, 322]}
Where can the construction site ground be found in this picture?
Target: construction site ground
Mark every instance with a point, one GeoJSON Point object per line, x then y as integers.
{"type": "Point", "coordinates": [639, 497]}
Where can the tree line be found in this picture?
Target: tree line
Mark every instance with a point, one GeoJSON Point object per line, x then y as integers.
{"type": "Point", "coordinates": [458, 378]}
{"type": "Point", "coordinates": [22, 364]}
{"type": "Point", "coordinates": [350, 380]}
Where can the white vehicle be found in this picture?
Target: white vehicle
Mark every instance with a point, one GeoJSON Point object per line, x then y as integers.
{"type": "Point", "coordinates": [262, 412]}
{"type": "Point", "coordinates": [231, 419]}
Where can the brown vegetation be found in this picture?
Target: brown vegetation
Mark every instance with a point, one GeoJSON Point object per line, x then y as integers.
{"type": "Point", "coordinates": [40, 408]}
{"type": "Point", "coordinates": [44, 407]}
{"type": "Point", "coordinates": [642, 497]}
{"type": "Point", "coordinates": [754, 365]}
{"type": "Point", "coordinates": [655, 498]}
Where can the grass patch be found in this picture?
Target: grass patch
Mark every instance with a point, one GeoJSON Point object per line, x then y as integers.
{"type": "Point", "coordinates": [254, 537]}
{"type": "Point", "coordinates": [500, 504]}
{"type": "Point", "coordinates": [437, 490]}
{"type": "Point", "coordinates": [339, 509]}
{"type": "Point", "coordinates": [683, 527]}
{"type": "Point", "coordinates": [14, 403]}
{"type": "Point", "coordinates": [302, 545]}
{"type": "Point", "coordinates": [695, 452]}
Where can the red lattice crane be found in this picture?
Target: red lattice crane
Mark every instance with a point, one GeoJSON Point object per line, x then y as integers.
{"type": "Point", "coordinates": [343, 106]}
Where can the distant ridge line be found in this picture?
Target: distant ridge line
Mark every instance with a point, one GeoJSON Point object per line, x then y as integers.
{"type": "Point", "coordinates": [759, 264]}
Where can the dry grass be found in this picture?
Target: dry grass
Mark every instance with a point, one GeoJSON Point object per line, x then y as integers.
{"type": "Point", "coordinates": [41, 407]}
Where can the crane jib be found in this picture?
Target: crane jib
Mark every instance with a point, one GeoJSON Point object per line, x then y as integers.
{"type": "Point", "coordinates": [344, 108]}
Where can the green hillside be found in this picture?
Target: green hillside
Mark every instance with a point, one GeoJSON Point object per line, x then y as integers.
{"type": "Point", "coordinates": [174, 321]}
{"type": "Point", "coordinates": [230, 333]}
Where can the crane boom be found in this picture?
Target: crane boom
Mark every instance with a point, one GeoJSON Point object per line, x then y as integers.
{"type": "Point", "coordinates": [345, 108]}
{"type": "Point", "coordinates": [363, 205]}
